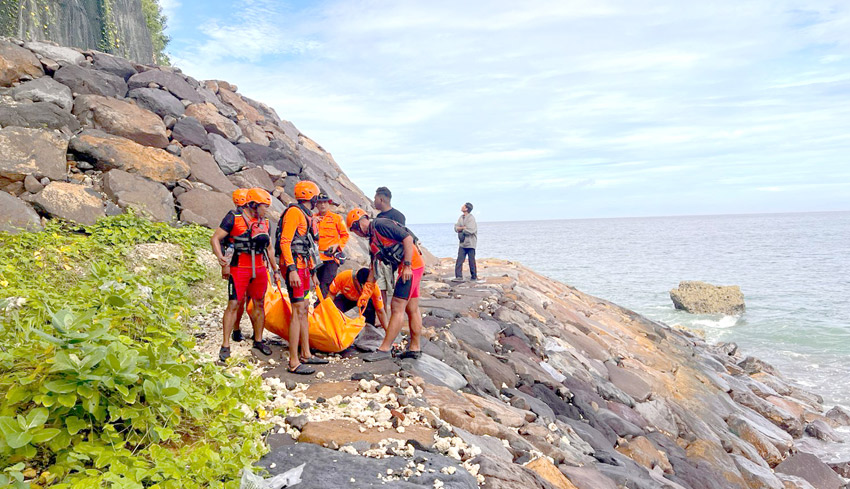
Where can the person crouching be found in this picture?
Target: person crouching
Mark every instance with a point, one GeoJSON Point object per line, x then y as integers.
{"type": "Point", "coordinates": [346, 289]}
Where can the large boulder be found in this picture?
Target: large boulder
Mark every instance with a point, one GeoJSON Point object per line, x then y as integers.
{"type": "Point", "coordinates": [251, 178]}
{"type": "Point", "coordinates": [70, 201]}
{"type": "Point", "coordinates": [121, 119]}
{"type": "Point", "coordinates": [112, 64]}
{"type": "Point", "coordinates": [107, 152]}
{"type": "Point", "coordinates": [44, 89]}
{"type": "Point", "coordinates": [812, 469]}
{"type": "Point", "coordinates": [253, 132]}
{"type": "Point", "coordinates": [16, 215]}
{"type": "Point", "coordinates": [263, 155]}
{"type": "Point", "coordinates": [205, 207]}
{"type": "Point", "coordinates": [17, 63]}
{"type": "Point", "coordinates": [500, 475]}
{"type": "Point", "coordinates": [703, 298]}
{"type": "Point", "coordinates": [60, 54]}
{"type": "Point", "coordinates": [213, 121]}
{"type": "Point", "coordinates": [88, 81]}
{"type": "Point", "coordinates": [172, 82]}
{"type": "Point", "coordinates": [36, 152]}
{"type": "Point", "coordinates": [756, 476]}
{"type": "Point", "coordinates": [243, 108]}
{"type": "Point", "coordinates": [142, 195]}
{"type": "Point", "coordinates": [188, 131]}
{"type": "Point", "coordinates": [160, 102]}
{"type": "Point", "coordinates": [435, 372]}
{"type": "Point", "coordinates": [38, 115]}
{"type": "Point", "coordinates": [228, 156]}
{"type": "Point", "coordinates": [204, 169]}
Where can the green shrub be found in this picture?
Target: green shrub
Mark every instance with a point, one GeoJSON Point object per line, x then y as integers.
{"type": "Point", "coordinates": [101, 386]}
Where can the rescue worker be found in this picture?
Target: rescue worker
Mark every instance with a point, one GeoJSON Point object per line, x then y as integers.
{"type": "Point", "coordinates": [394, 244]}
{"type": "Point", "coordinates": [346, 289]}
{"type": "Point", "coordinates": [240, 198]}
{"type": "Point", "coordinates": [333, 236]}
{"type": "Point", "coordinates": [252, 247]}
{"type": "Point", "coordinates": [385, 273]}
{"type": "Point", "coordinates": [299, 256]}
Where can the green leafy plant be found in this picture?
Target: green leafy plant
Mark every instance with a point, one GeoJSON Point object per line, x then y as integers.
{"type": "Point", "coordinates": [101, 386]}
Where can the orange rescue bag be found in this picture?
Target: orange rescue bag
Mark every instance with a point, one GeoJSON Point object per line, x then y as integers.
{"type": "Point", "coordinates": [331, 331]}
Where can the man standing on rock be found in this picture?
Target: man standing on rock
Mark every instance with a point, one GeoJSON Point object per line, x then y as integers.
{"type": "Point", "coordinates": [467, 233]}
{"type": "Point", "coordinates": [384, 273]}
{"type": "Point", "coordinates": [249, 231]}
{"type": "Point", "coordinates": [299, 256]}
{"type": "Point", "coordinates": [393, 244]}
{"type": "Point", "coordinates": [333, 236]}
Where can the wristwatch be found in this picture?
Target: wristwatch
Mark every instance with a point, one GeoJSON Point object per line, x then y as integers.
{"type": "Point", "coordinates": [406, 263]}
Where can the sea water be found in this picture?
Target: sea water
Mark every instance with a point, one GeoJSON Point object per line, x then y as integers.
{"type": "Point", "coordinates": [794, 271]}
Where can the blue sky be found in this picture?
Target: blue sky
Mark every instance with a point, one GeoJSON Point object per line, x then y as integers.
{"type": "Point", "coordinates": [551, 109]}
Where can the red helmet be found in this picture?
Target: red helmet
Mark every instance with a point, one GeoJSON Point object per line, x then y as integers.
{"type": "Point", "coordinates": [259, 196]}
{"type": "Point", "coordinates": [354, 216]}
{"type": "Point", "coordinates": [240, 197]}
{"type": "Point", "coordinates": [306, 190]}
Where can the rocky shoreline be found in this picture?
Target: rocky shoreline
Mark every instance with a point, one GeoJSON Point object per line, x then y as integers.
{"type": "Point", "coordinates": [527, 382]}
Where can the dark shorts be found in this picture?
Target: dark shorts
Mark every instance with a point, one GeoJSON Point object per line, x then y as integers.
{"type": "Point", "coordinates": [345, 304]}
{"type": "Point", "coordinates": [410, 289]}
{"type": "Point", "coordinates": [240, 284]}
{"type": "Point", "coordinates": [298, 295]}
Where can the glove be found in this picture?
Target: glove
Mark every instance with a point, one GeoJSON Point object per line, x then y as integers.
{"type": "Point", "coordinates": [365, 295]}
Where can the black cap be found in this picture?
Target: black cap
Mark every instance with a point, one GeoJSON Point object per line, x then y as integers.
{"type": "Point", "coordinates": [323, 197]}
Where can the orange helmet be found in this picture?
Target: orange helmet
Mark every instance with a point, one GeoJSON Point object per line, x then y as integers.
{"type": "Point", "coordinates": [240, 197]}
{"type": "Point", "coordinates": [259, 196]}
{"type": "Point", "coordinates": [306, 190]}
{"type": "Point", "coordinates": [354, 216]}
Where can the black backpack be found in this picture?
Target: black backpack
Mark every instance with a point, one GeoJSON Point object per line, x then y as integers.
{"type": "Point", "coordinates": [302, 245]}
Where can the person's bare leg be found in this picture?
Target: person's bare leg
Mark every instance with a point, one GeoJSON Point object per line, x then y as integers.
{"type": "Point", "coordinates": [228, 319]}
{"type": "Point", "coordinates": [384, 298]}
{"type": "Point", "coordinates": [304, 329]}
{"type": "Point", "coordinates": [240, 311]}
{"type": "Point", "coordinates": [258, 319]}
{"type": "Point", "coordinates": [396, 320]}
{"type": "Point", "coordinates": [415, 320]}
{"type": "Point", "coordinates": [295, 333]}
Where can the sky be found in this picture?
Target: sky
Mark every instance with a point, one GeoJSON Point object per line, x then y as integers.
{"type": "Point", "coordinates": [550, 109]}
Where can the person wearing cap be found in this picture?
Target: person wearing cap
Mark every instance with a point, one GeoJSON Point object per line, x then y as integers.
{"type": "Point", "coordinates": [346, 290]}
{"type": "Point", "coordinates": [299, 256]}
{"type": "Point", "coordinates": [394, 244]}
{"type": "Point", "coordinates": [248, 229]}
{"type": "Point", "coordinates": [333, 236]}
{"type": "Point", "coordinates": [467, 233]}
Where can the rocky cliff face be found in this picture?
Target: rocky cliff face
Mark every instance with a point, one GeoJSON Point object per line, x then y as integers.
{"type": "Point", "coordinates": [116, 26]}
{"type": "Point", "coordinates": [86, 134]}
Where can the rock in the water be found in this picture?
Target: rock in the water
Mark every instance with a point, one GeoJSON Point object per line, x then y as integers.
{"type": "Point", "coordinates": [325, 468]}
{"type": "Point", "coordinates": [38, 115]}
{"type": "Point", "coordinates": [172, 82]}
{"type": "Point", "coordinates": [822, 431]}
{"type": "Point", "coordinates": [88, 81]}
{"type": "Point", "coordinates": [113, 64]}
{"type": "Point", "coordinates": [436, 372]}
{"type": "Point", "coordinates": [228, 156]}
{"type": "Point", "coordinates": [840, 415]}
{"type": "Point", "coordinates": [36, 152]}
{"type": "Point", "coordinates": [17, 63]}
{"type": "Point", "coordinates": [213, 121]}
{"type": "Point", "coordinates": [145, 196]}
{"type": "Point", "coordinates": [121, 119]}
{"type": "Point", "coordinates": [16, 215]}
{"type": "Point", "coordinates": [205, 169]}
{"type": "Point", "coordinates": [70, 201]}
{"type": "Point", "coordinates": [703, 298]}
{"type": "Point", "coordinates": [756, 476]}
{"type": "Point", "coordinates": [160, 102]}
{"type": "Point", "coordinates": [264, 155]}
{"type": "Point", "coordinates": [812, 469]}
{"type": "Point", "coordinates": [60, 54]}
{"type": "Point", "coordinates": [252, 178]}
{"type": "Point", "coordinates": [44, 89]}
{"type": "Point", "coordinates": [106, 152]}
{"type": "Point", "coordinates": [770, 441]}
{"type": "Point", "coordinates": [189, 132]}
{"type": "Point", "coordinates": [210, 206]}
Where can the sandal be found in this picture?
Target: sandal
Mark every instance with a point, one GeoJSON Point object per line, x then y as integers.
{"type": "Point", "coordinates": [224, 353]}
{"type": "Point", "coordinates": [237, 335]}
{"type": "Point", "coordinates": [264, 349]}
{"type": "Point", "coordinates": [301, 369]}
{"type": "Point", "coordinates": [314, 361]}
{"type": "Point", "coordinates": [415, 355]}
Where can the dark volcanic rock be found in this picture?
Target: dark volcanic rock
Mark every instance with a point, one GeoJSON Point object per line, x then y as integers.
{"type": "Point", "coordinates": [264, 155]}
{"type": "Point", "coordinates": [44, 89]}
{"type": "Point", "coordinates": [88, 81]}
{"type": "Point", "coordinates": [113, 64]}
{"type": "Point", "coordinates": [436, 372]}
{"type": "Point", "coordinates": [145, 196]}
{"type": "Point", "coordinates": [25, 151]}
{"type": "Point", "coordinates": [211, 207]}
{"type": "Point", "coordinates": [160, 102]}
{"type": "Point", "coordinates": [170, 81]}
{"type": "Point", "coordinates": [17, 63]}
{"type": "Point", "coordinates": [629, 382]}
{"type": "Point", "coordinates": [500, 475]}
{"type": "Point", "coordinates": [17, 215]}
{"type": "Point", "coordinates": [75, 203]}
{"type": "Point", "coordinates": [252, 178]}
{"type": "Point", "coordinates": [190, 132]}
{"type": "Point", "coordinates": [478, 333]}
{"type": "Point", "coordinates": [822, 431]}
{"type": "Point", "coordinates": [228, 156]}
{"type": "Point", "coordinates": [810, 468]}
{"type": "Point", "coordinates": [205, 170]}
{"type": "Point", "coordinates": [38, 115]}
{"type": "Point", "coordinates": [325, 468]}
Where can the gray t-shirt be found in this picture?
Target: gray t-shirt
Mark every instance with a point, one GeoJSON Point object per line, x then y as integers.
{"type": "Point", "coordinates": [470, 230]}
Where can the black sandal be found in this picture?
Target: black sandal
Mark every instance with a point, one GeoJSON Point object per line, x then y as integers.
{"type": "Point", "coordinates": [301, 369]}
{"type": "Point", "coordinates": [415, 355]}
{"type": "Point", "coordinates": [314, 360]}
{"type": "Point", "coordinates": [264, 349]}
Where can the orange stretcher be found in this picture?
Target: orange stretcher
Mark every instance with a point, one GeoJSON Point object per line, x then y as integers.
{"type": "Point", "coordinates": [331, 331]}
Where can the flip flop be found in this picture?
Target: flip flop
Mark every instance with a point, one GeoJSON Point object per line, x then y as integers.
{"type": "Point", "coordinates": [301, 369]}
{"type": "Point", "coordinates": [314, 361]}
{"type": "Point", "coordinates": [415, 355]}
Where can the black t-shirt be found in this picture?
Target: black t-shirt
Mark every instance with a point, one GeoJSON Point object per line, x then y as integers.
{"type": "Point", "coordinates": [393, 214]}
{"type": "Point", "coordinates": [227, 225]}
{"type": "Point", "coordinates": [390, 229]}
